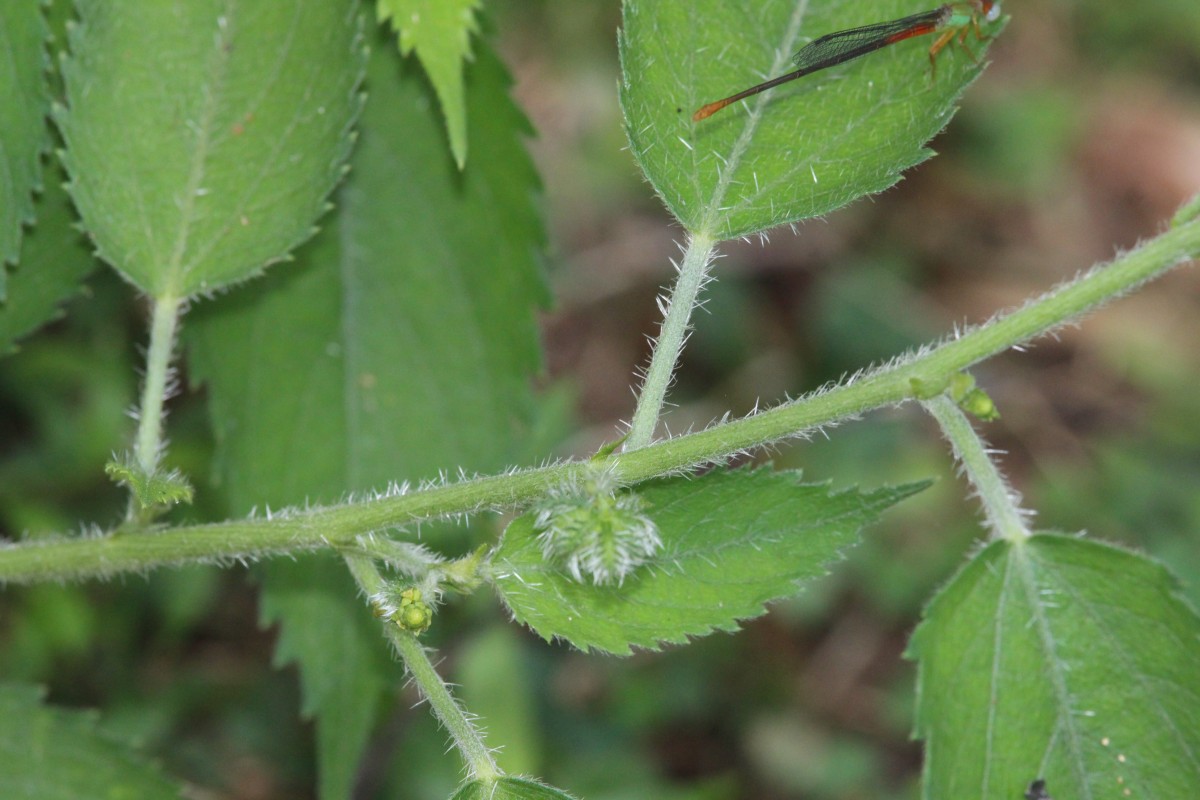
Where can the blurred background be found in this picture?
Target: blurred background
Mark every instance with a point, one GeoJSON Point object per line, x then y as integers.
{"type": "Point", "coordinates": [1081, 139]}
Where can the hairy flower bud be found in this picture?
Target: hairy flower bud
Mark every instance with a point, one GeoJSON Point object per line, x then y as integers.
{"type": "Point", "coordinates": [595, 532]}
{"type": "Point", "coordinates": [405, 608]}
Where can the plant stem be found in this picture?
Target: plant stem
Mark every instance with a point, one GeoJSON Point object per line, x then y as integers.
{"type": "Point", "coordinates": [479, 761]}
{"type": "Point", "coordinates": [1001, 504]}
{"type": "Point", "coordinates": [898, 380]}
{"type": "Point", "coordinates": [163, 325]}
{"type": "Point", "coordinates": [467, 738]}
{"type": "Point", "coordinates": [407, 557]}
{"type": "Point", "coordinates": [291, 531]}
{"type": "Point", "coordinates": [692, 274]}
{"type": "Point", "coordinates": [156, 386]}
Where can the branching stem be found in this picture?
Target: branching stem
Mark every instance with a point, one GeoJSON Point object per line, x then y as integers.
{"type": "Point", "coordinates": [337, 526]}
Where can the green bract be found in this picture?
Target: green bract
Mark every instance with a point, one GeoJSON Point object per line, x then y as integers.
{"type": "Point", "coordinates": [594, 532]}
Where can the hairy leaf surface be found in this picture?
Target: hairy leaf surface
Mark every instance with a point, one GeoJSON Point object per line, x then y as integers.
{"type": "Point", "coordinates": [203, 138]}
{"type": "Point", "coordinates": [1064, 660]}
{"type": "Point", "coordinates": [798, 151]}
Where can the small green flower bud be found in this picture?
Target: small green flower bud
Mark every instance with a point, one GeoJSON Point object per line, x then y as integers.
{"type": "Point", "coordinates": [415, 614]}
{"type": "Point", "coordinates": [405, 608]}
{"type": "Point", "coordinates": [980, 405]}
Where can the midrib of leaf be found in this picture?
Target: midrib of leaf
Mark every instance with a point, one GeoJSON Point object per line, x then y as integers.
{"type": "Point", "coordinates": [351, 337]}
{"type": "Point", "coordinates": [786, 45]}
{"type": "Point", "coordinates": [1057, 677]}
{"type": "Point", "coordinates": [350, 282]}
{"type": "Point", "coordinates": [218, 67]}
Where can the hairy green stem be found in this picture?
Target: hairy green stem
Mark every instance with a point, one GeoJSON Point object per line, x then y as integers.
{"type": "Point", "coordinates": [164, 323]}
{"type": "Point", "coordinates": [467, 738]}
{"type": "Point", "coordinates": [93, 556]}
{"type": "Point", "coordinates": [148, 444]}
{"type": "Point", "coordinates": [407, 557]}
{"type": "Point", "coordinates": [692, 273]}
{"type": "Point", "coordinates": [916, 374]}
{"type": "Point", "coordinates": [1001, 505]}
{"type": "Point", "coordinates": [479, 761]}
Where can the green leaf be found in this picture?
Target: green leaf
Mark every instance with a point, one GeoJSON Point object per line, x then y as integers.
{"type": "Point", "coordinates": [54, 754]}
{"type": "Point", "coordinates": [54, 259]}
{"type": "Point", "coordinates": [345, 670]}
{"type": "Point", "coordinates": [732, 541]}
{"type": "Point", "coordinates": [402, 341]}
{"type": "Point", "coordinates": [440, 33]}
{"type": "Point", "coordinates": [24, 136]}
{"type": "Point", "coordinates": [1061, 659]}
{"type": "Point", "coordinates": [400, 344]}
{"type": "Point", "coordinates": [509, 789]}
{"type": "Point", "coordinates": [202, 138]}
{"type": "Point", "coordinates": [805, 148]}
